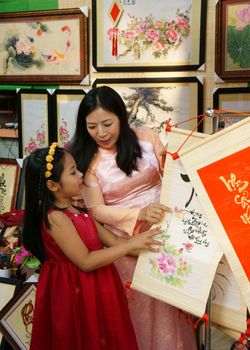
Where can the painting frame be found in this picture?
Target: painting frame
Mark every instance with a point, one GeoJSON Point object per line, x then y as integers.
{"type": "Point", "coordinates": [230, 101]}
{"type": "Point", "coordinates": [101, 58]}
{"type": "Point", "coordinates": [11, 321]}
{"type": "Point", "coordinates": [69, 28]}
{"type": "Point", "coordinates": [9, 170]}
{"type": "Point", "coordinates": [11, 287]}
{"type": "Point", "coordinates": [38, 100]}
{"type": "Point", "coordinates": [229, 32]}
{"type": "Point", "coordinates": [65, 107]}
{"type": "Point", "coordinates": [192, 106]}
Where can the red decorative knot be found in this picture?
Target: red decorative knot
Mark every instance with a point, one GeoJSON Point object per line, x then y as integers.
{"type": "Point", "coordinates": [128, 287]}
{"type": "Point", "coordinates": [204, 318]}
{"type": "Point", "coordinates": [175, 155]}
{"type": "Point", "coordinates": [168, 127]}
{"type": "Point", "coordinates": [128, 284]}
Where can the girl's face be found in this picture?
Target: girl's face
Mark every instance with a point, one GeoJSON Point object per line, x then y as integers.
{"type": "Point", "coordinates": [71, 180]}
{"type": "Point", "coordinates": [104, 128]}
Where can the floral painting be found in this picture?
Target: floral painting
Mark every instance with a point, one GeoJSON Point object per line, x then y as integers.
{"type": "Point", "coordinates": [42, 45]}
{"type": "Point", "coordinates": [182, 272]}
{"type": "Point", "coordinates": [161, 34]}
{"type": "Point", "coordinates": [67, 104]}
{"type": "Point", "coordinates": [238, 32]}
{"type": "Point", "coordinates": [170, 266]}
{"type": "Point", "coordinates": [158, 36]}
{"type": "Point", "coordinates": [36, 142]}
{"type": "Point", "coordinates": [34, 119]}
{"type": "Point", "coordinates": [232, 62]}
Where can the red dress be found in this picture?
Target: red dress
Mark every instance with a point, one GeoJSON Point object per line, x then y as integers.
{"type": "Point", "coordinates": [79, 310]}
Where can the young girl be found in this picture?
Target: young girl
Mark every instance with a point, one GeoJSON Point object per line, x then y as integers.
{"type": "Point", "coordinates": [80, 301]}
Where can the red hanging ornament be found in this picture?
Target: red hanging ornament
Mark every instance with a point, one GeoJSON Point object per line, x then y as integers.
{"type": "Point", "coordinates": [115, 13]}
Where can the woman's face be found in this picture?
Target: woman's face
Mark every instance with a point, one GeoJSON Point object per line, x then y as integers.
{"type": "Point", "coordinates": [104, 127]}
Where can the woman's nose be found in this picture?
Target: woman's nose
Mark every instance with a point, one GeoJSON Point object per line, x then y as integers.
{"type": "Point", "coordinates": [101, 130]}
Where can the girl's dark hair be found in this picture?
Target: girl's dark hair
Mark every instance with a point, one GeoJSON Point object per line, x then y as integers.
{"type": "Point", "coordinates": [38, 199]}
{"type": "Point", "coordinates": [83, 147]}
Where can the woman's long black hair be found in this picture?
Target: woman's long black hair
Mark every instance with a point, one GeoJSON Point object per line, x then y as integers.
{"type": "Point", "coordinates": [83, 147]}
{"type": "Point", "coordinates": [38, 199]}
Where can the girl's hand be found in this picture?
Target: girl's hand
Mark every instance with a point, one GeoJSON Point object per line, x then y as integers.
{"type": "Point", "coordinates": [152, 213]}
{"type": "Point", "coordinates": [146, 240]}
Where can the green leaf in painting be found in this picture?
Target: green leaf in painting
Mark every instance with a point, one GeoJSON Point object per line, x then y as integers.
{"type": "Point", "coordinates": [238, 45]}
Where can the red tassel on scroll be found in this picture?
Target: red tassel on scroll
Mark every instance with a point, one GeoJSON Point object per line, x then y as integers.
{"type": "Point", "coordinates": [115, 42]}
{"type": "Point", "coordinates": [244, 339]}
{"type": "Point", "coordinates": [204, 318]}
{"type": "Point", "coordinates": [128, 287]}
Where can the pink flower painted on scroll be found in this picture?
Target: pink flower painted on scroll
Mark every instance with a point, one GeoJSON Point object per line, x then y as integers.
{"type": "Point", "coordinates": [167, 264]}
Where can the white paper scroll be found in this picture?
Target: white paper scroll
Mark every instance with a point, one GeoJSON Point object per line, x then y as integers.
{"type": "Point", "coordinates": [183, 272]}
{"type": "Point", "coordinates": [228, 309]}
{"type": "Point", "coordinates": [219, 168]}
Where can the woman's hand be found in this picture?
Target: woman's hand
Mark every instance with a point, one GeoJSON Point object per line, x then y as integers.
{"type": "Point", "coordinates": [146, 240]}
{"type": "Point", "coordinates": [152, 213]}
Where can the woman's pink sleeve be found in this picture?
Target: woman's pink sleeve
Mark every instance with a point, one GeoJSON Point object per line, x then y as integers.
{"type": "Point", "coordinates": [124, 219]}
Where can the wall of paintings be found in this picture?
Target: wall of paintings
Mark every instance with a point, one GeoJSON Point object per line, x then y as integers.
{"type": "Point", "coordinates": [114, 44]}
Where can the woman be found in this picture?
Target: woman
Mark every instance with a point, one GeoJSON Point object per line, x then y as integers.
{"type": "Point", "coordinates": [122, 170]}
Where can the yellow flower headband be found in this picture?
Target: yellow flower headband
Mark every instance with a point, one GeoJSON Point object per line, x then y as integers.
{"type": "Point", "coordinates": [49, 159]}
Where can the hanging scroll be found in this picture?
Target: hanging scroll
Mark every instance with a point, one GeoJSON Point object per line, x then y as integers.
{"type": "Point", "coordinates": [219, 168]}
{"type": "Point", "coordinates": [183, 272]}
{"type": "Point", "coordinates": [228, 308]}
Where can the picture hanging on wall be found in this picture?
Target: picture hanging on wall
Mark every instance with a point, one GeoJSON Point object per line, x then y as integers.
{"type": "Point", "coordinates": [164, 35]}
{"type": "Point", "coordinates": [44, 46]}
{"type": "Point", "coordinates": [152, 102]}
{"type": "Point", "coordinates": [34, 120]}
{"type": "Point", "coordinates": [9, 287]}
{"type": "Point", "coordinates": [9, 175]}
{"type": "Point", "coordinates": [230, 101]}
{"type": "Point", "coordinates": [65, 105]}
{"type": "Point", "coordinates": [16, 318]}
{"type": "Point", "coordinates": [232, 61]}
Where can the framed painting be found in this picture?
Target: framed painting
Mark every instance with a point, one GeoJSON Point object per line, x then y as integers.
{"type": "Point", "coordinates": [65, 105]}
{"type": "Point", "coordinates": [44, 46]}
{"type": "Point", "coordinates": [162, 36]}
{"type": "Point", "coordinates": [218, 168]}
{"type": "Point", "coordinates": [35, 125]}
{"type": "Point", "coordinates": [232, 61]}
{"type": "Point", "coordinates": [233, 105]}
{"type": "Point", "coordinates": [8, 287]}
{"type": "Point", "coordinates": [9, 176]}
{"type": "Point", "coordinates": [17, 316]}
{"type": "Point", "coordinates": [151, 102]}
{"type": "Point", "coordinates": [190, 251]}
